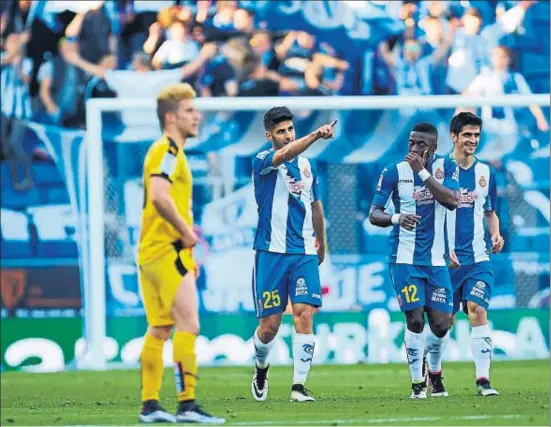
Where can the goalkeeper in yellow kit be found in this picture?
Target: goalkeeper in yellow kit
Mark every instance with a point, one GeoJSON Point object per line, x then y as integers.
{"type": "Point", "coordinates": [165, 261]}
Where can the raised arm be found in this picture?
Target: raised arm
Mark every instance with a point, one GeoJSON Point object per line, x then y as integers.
{"type": "Point", "coordinates": [152, 39]}
{"type": "Point", "coordinates": [290, 151]}
{"type": "Point", "coordinates": [207, 52]}
{"type": "Point", "coordinates": [75, 27]}
{"type": "Point", "coordinates": [447, 194]}
{"type": "Point", "coordinates": [69, 51]}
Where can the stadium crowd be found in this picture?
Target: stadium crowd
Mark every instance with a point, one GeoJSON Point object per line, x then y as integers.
{"type": "Point", "coordinates": [53, 61]}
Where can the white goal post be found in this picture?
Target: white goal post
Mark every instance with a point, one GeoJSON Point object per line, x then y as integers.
{"type": "Point", "coordinates": [94, 280]}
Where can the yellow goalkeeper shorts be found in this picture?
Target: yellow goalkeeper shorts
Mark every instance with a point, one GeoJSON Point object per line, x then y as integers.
{"type": "Point", "coordinates": [159, 281]}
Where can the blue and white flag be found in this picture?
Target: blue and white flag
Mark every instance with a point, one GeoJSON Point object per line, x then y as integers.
{"type": "Point", "coordinates": [38, 10]}
{"type": "Point", "coordinates": [349, 30]}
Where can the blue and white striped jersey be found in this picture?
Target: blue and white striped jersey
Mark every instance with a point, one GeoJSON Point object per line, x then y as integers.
{"type": "Point", "coordinates": [465, 225]}
{"type": "Point", "coordinates": [284, 198]}
{"type": "Point", "coordinates": [16, 99]}
{"type": "Point", "coordinates": [424, 246]}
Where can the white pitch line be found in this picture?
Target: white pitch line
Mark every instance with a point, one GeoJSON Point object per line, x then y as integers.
{"type": "Point", "coordinates": [356, 420]}
{"type": "Point", "coordinates": [373, 420]}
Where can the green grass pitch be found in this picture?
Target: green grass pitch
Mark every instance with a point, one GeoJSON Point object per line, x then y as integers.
{"type": "Point", "coordinates": [347, 395]}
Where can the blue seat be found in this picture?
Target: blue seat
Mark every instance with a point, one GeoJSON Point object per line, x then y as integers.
{"type": "Point", "coordinates": [15, 249]}
{"type": "Point", "coordinates": [55, 195]}
{"type": "Point", "coordinates": [58, 249]}
{"type": "Point", "coordinates": [46, 174]}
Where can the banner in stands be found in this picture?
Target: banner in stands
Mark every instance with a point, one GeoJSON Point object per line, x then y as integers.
{"type": "Point", "coordinates": [47, 345]}
{"type": "Point", "coordinates": [347, 29]}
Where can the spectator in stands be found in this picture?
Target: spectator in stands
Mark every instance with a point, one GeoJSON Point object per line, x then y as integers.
{"type": "Point", "coordinates": [501, 121]}
{"type": "Point", "coordinates": [50, 78]}
{"type": "Point", "coordinates": [223, 18]}
{"type": "Point", "coordinates": [15, 75]}
{"type": "Point", "coordinates": [222, 72]}
{"type": "Point", "coordinates": [412, 71]}
{"type": "Point", "coordinates": [324, 77]}
{"type": "Point", "coordinates": [179, 48]}
{"type": "Point", "coordinates": [262, 46]}
{"type": "Point", "coordinates": [259, 80]}
{"type": "Point", "coordinates": [436, 34]}
{"type": "Point", "coordinates": [243, 21]}
{"type": "Point", "coordinates": [472, 46]}
{"type": "Point", "coordinates": [141, 81]}
{"type": "Point", "coordinates": [95, 33]}
{"type": "Point", "coordinates": [297, 53]}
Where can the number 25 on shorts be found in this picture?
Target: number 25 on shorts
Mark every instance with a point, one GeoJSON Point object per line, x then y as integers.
{"type": "Point", "coordinates": [271, 299]}
{"type": "Point", "coordinates": [410, 292]}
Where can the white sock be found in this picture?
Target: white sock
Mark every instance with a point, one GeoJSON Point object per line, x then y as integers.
{"type": "Point", "coordinates": [261, 351]}
{"type": "Point", "coordinates": [435, 348]}
{"type": "Point", "coordinates": [481, 347]}
{"type": "Point", "coordinates": [303, 352]}
{"type": "Point", "coordinates": [415, 345]}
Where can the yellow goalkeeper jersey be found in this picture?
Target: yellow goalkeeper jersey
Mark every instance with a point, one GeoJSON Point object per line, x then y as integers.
{"type": "Point", "coordinates": [158, 236]}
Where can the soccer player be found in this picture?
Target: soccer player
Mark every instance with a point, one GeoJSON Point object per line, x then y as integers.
{"type": "Point", "coordinates": [470, 269]}
{"type": "Point", "coordinates": [166, 268]}
{"type": "Point", "coordinates": [422, 187]}
{"type": "Point", "coordinates": [289, 245]}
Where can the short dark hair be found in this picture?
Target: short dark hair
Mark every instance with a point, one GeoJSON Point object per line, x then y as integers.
{"type": "Point", "coordinates": [463, 119]}
{"type": "Point", "coordinates": [473, 11]}
{"type": "Point", "coordinates": [426, 128]}
{"type": "Point", "coordinates": [276, 115]}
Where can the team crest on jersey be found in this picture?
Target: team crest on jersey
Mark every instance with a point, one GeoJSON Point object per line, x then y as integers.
{"type": "Point", "coordinates": [422, 195]}
{"type": "Point", "coordinates": [439, 174]}
{"type": "Point", "coordinates": [482, 182]}
{"type": "Point", "coordinates": [306, 173]}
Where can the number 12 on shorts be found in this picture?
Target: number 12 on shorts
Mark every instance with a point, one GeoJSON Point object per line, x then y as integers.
{"type": "Point", "coordinates": [271, 299]}
{"type": "Point", "coordinates": [410, 292]}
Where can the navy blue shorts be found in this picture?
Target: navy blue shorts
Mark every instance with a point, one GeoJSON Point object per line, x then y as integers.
{"type": "Point", "coordinates": [472, 283]}
{"type": "Point", "coordinates": [422, 286]}
{"type": "Point", "coordinates": [279, 277]}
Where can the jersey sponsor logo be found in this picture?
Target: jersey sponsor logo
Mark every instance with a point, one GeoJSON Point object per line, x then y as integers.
{"type": "Point", "coordinates": [422, 195]}
{"type": "Point", "coordinates": [301, 289]}
{"type": "Point", "coordinates": [479, 290]}
{"type": "Point", "coordinates": [306, 173]}
{"type": "Point", "coordinates": [405, 181]}
{"type": "Point", "coordinates": [482, 182]}
{"type": "Point", "coordinates": [439, 174]}
{"type": "Point", "coordinates": [294, 186]}
{"type": "Point", "coordinates": [467, 198]}
{"type": "Point", "coordinates": [439, 295]}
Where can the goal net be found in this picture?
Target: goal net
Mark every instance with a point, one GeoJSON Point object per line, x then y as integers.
{"type": "Point", "coordinates": [371, 132]}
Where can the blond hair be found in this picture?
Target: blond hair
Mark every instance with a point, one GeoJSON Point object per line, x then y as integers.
{"type": "Point", "coordinates": [169, 98]}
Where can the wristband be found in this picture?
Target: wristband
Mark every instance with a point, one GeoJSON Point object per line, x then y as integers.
{"type": "Point", "coordinates": [395, 219]}
{"type": "Point", "coordinates": [424, 174]}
